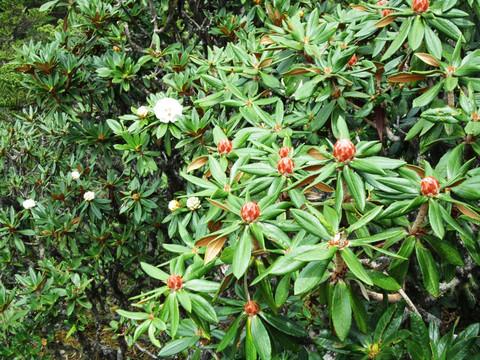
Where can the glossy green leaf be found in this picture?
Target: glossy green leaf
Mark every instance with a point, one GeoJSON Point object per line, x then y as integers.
{"type": "Point", "coordinates": [355, 266]}
{"type": "Point", "coordinates": [243, 253]}
{"type": "Point", "coordinates": [435, 217]}
{"type": "Point", "coordinates": [261, 340]}
{"type": "Point", "coordinates": [341, 310]}
{"type": "Point", "coordinates": [428, 269]}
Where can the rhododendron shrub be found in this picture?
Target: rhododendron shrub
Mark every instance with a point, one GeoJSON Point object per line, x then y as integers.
{"type": "Point", "coordinates": [243, 180]}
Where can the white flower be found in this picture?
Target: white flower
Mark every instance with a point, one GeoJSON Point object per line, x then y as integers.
{"type": "Point", "coordinates": [28, 204]}
{"type": "Point", "coordinates": [75, 175]}
{"type": "Point", "coordinates": [174, 205]}
{"type": "Point", "coordinates": [142, 112]}
{"type": "Point", "coordinates": [193, 203]}
{"type": "Point", "coordinates": [89, 196]}
{"type": "Point", "coordinates": [167, 109]}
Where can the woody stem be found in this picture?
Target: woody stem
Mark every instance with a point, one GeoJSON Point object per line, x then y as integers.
{"type": "Point", "coordinates": [451, 99]}
{"type": "Point", "coordinates": [338, 262]}
{"type": "Point", "coordinates": [422, 212]}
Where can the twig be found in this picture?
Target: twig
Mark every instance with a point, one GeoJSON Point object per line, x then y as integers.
{"type": "Point", "coordinates": [145, 351]}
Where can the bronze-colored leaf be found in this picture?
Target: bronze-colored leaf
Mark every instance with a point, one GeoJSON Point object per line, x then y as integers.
{"type": "Point", "coordinates": [266, 62]}
{"type": "Point", "coordinates": [359, 8]}
{"type": "Point", "coordinates": [386, 20]}
{"type": "Point", "coordinates": [313, 167]}
{"type": "Point", "coordinates": [206, 240]}
{"type": "Point", "coordinates": [316, 154]}
{"type": "Point", "coordinates": [197, 163]}
{"type": "Point", "coordinates": [428, 59]}
{"type": "Point", "coordinates": [298, 71]}
{"type": "Point", "coordinates": [217, 204]}
{"type": "Point", "coordinates": [307, 181]}
{"type": "Point", "coordinates": [213, 248]}
{"type": "Point", "coordinates": [266, 40]}
{"type": "Point", "coordinates": [238, 177]}
{"type": "Point", "coordinates": [417, 169]}
{"type": "Point", "coordinates": [466, 211]}
{"type": "Point", "coordinates": [406, 77]}
{"type": "Point", "coordinates": [75, 221]}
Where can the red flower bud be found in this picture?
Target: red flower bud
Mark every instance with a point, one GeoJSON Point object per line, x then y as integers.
{"type": "Point", "coordinates": [420, 5]}
{"type": "Point", "coordinates": [224, 146]}
{"type": "Point", "coordinates": [285, 166]}
{"type": "Point", "coordinates": [174, 282]}
{"type": "Point", "coordinates": [250, 212]}
{"type": "Point", "coordinates": [430, 186]}
{"type": "Point", "coordinates": [382, 2]}
{"type": "Point", "coordinates": [344, 150]}
{"type": "Point", "coordinates": [284, 151]}
{"type": "Point", "coordinates": [386, 12]}
{"type": "Point", "coordinates": [353, 60]}
{"type": "Point", "coordinates": [252, 308]}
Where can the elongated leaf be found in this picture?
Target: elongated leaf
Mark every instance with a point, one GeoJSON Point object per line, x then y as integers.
{"type": "Point", "coordinates": [341, 310]}
{"type": "Point", "coordinates": [355, 187]}
{"type": "Point", "coordinates": [154, 272]}
{"type": "Point", "coordinates": [355, 266]}
{"type": "Point", "coordinates": [415, 35]}
{"type": "Point", "coordinates": [230, 334]}
{"type": "Point", "coordinates": [428, 268]}
{"type": "Point", "coordinates": [175, 346]}
{"type": "Point", "coordinates": [243, 253]}
{"type": "Point", "coordinates": [261, 340]}
{"type": "Point", "coordinates": [250, 350]}
{"type": "Point", "coordinates": [435, 217]}
{"type": "Point", "coordinates": [428, 96]}
{"type": "Point", "coordinates": [203, 308]}
{"type": "Point", "coordinates": [133, 315]}
{"type": "Point", "coordinates": [365, 219]}
{"type": "Point", "coordinates": [310, 223]}
{"type": "Point", "coordinates": [310, 276]}
{"type": "Point", "coordinates": [399, 40]}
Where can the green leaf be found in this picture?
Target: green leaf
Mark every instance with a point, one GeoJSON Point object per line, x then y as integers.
{"type": "Point", "coordinates": [415, 35]}
{"type": "Point", "coordinates": [371, 165]}
{"type": "Point", "coordinates": [284, 324]}
{"type": "Point", "coordinates": [365, 219]}
{"type": "Point", "coordinates": [428, 268]}
{"type": "Point", "coordinates": [359, 311]}
{"type": "Point", "coordinates": [321, 252]}
{"type": "Point", "coordinates": [282, 291]}
{"type": "Point", "coordinates": [420, 334]}
{"type": "Point", "coordinates": [243, 253]}
{"type": "Point", "coordinates": [261, 340]}
{"type": "Point", "coordinates": [310, 223]}
{"type": "Point", "coordinates": [251, 352]}
{"type": "Point", "coordinates": [433, 43]}
{"type": "Point", "coordinates": [341, 310]}
{"type": "Point", "coordinates": [174, 313]}
{"type": "Point", "coordinates": [175, 346]}
{"type": "Point", "coordinates": [446, 250]}
{"type": "Point", "coordinates": [384, 281]}
{"type": "Point", "coordinates": [435, 217]}
{"type": "Point", "coordinates": [427, 97]}
{"type": "Point", "coordinates": [399, 40]}
{"type": "Point", "coordinates": [355, 266]}
{"type": "Point", "coordinates": [230, 334]}
{"type": "Point", "coordinates": [446, 27]}
{"type": "Point", "coordinates": [154, 272]}
{"type": "Point", "coordinates": [203, 308]}
{"type": "Point", "coordinates": [184, 300]}
{"type": "Point", "coordinates": [133, 315]}
{"type": "Point", "coordinates": [202, 285]}
{"type": "Point", "coordinates": [355, 187]}
{"type": "Point", "coordinates": [310, 276]}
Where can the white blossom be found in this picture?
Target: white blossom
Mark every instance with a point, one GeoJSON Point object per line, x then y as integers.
{"type": "Point", "coordinates": [167, 109]}
{"type": "Point", "coordinates": [75, 175]}
{"type": "Point", "coordinates": [142, 112]}
{"type": "Point", "coordinates": [28, 204]}
{"type": "Point", "coordinates": [89, 196]}
{"type": "Point", "coordinates": [174, 205]}
{"type": "Point", "coordinates": [193, 203]}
